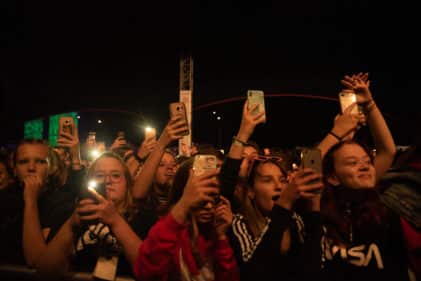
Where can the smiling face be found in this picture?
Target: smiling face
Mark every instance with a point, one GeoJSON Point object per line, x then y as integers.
{"type": "Point", "coordinates": [353, 168]}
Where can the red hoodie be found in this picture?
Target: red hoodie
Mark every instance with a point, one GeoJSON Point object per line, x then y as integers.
{"type": "Point", "coordinates": [166, 254]}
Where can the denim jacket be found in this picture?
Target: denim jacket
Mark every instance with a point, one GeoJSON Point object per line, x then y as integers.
{"type": "Point", "coordinates": [402, 193]}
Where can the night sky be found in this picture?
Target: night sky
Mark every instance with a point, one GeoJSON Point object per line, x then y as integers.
{"type": "Point", "coordinates": [96, 57]}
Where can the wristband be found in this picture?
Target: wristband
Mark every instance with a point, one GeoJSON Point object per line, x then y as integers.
{"type": "Point", "coordinates": [240, 142]}
{"type": "Point", "coordinates": [335, 135]}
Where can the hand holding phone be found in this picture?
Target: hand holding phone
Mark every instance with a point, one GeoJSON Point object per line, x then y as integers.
{"type": "Point", "coordinates": [98, 187]}
{"type": "Point", "coordinates": [203, 163]}
{"type": "Point", "coordinates": [66, 125]}
{"type": "Point", "coordinates": [256, 97]}
{"type": "Point", "coordinates": [178, 109]}
{"type": "Point", "coordinates": [346, 99]}
{"type": "Point", "coordinates": [312, 158]}
{"type": "Point", "coordinates": [150, 133]}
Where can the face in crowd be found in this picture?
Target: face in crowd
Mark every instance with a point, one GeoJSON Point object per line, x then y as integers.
{"type": "Point", "coordinates": [164, 175]}
{"type": "Point", "coordinates": [31, 159]}
{"type": "Point", "coordinates": [112, 171]}
{"type": "Point", "coordinates": [351, 166]}
{"type": "Point", "coordinates": [267, 180]}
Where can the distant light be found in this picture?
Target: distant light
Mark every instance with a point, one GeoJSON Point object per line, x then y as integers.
{"type": "Point", "coordinates": [78, 117]}
{"type": "Point", "coordinates": [148, 129]}
{"type": "Point", "coordinates": [219, 117]}
{"type": "Point", "coordinates": [214, 112]}
{"type": "Point", "coordinates": [99, 121]}
{"type": "Point", "coordinates": [95, 153]}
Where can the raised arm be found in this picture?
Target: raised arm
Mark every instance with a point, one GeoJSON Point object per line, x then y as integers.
{"type": "Point", "coordinates": [50, 259]}
{"type": "Point", "coordinates": [230, 169]}
{"type": "Point", "coordinates": [382, 137]}
{"type": "Point", "coordinates": [144, 180]}
{"type": "Point", "coordinates": [344, 127]}
{"type": "Point", "coordinates": [248, 123]}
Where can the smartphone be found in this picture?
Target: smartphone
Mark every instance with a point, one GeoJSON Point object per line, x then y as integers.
{"type": "Point", "coordinates": [256, 97]}
{"type": "Point", "coordinates": [66, 125]}
{"type": "Point", "coordinates": [312, 158]}
{"type": "Point", "coordinates": [150, 133]}
{"type": "Point", "coordinates": [346, 98]}
{"type": "Point", "coordinates": [203, 163]}
{"type": "Point", "coordinates": [179, 109]}
{"type": "Point", "coordinates": [92, 184]}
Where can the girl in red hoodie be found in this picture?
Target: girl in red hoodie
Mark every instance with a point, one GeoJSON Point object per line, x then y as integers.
{"type": "Point", "coordinates": [190, 243]}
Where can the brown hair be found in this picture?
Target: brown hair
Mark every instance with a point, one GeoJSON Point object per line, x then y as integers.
{"type": "Point", "coordinates": [176, 192]}
{"type": "Point", "coordinates": [255, 219]}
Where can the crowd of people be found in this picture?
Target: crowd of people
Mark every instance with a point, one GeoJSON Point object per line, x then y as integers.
{"type": "Point", "coordinates": [259, 215]}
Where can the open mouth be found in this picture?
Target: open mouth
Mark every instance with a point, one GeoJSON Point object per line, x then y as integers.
{"type": "Point", "coordinates": [276, 197]}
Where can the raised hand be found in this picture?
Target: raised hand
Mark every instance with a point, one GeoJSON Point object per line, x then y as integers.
{"type": "Point", "coordinates": [103, 210]}
{"type": "Point", "coordinates": [305, 183]}
{"type": "Point", "coordinates": [174, 130]}
{"type": "Point", "coordinates": [249, 121]}
{"type": "Point", "coordinates": [360, 84]}
{"type": "Point", "coordinates": [118, 143]}
{"type": "Point", "coordinates": [147, 146]}
{"type": "Point", "coordinates": [223, 217]}
{"type": "Point", "coordinates": [200, 189]}
{"type": "Point", "coordinates": [71, 142]}
{"type": "Point", "coordinates": [346, 124]}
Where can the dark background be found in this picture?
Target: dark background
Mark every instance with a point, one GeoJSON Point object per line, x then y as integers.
{"type": "Point", "coordinates": [119, 61]}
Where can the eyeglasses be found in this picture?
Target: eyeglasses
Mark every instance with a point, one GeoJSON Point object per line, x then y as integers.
{"type": "Point", "coordinates": [115, 177]}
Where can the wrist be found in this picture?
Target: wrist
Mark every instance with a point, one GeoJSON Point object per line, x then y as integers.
{"type": "Point", "coordinates": [369, 106]}
{"type": "Point", "coordinates": [242, 136]}
{"type": "Point", "coordinates": [30, 201]}
{"type": "Point", "coordinates": [180, 211]}
{"type": "Point", "coordinates": [115, 221]}
{"type": "Point", "coordinates": [335, 135]}
{"type": "Point", "coordinates": [238, 141]}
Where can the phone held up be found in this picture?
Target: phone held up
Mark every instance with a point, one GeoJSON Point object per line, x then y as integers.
{"type": "Point", "coordinates": [66, 125]}
{"type": "Point", "coordinates": [179, 109]}
{"type": "Point", "coordinates": [203, 163]}
{"type": "Point", "coordinates": [312, 158]}
{"type": "Point", "coordinates": [150, 133]}
{"type": "Point", "coordinates": [346, 98]}
{"type": "Point", "coordinates": [256, 97]}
